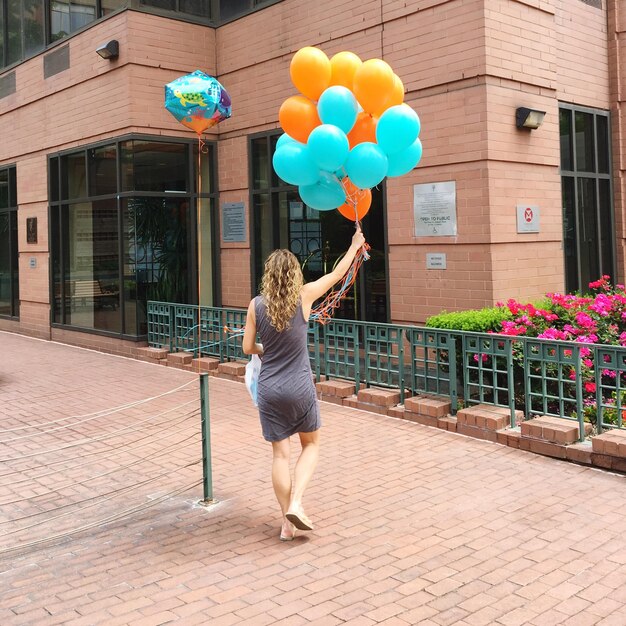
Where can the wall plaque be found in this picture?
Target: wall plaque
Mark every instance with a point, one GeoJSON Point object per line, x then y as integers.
{"type": "Point", "coordinates": [31, 230]}
{"type": "Point", "coordinates": [233, 222]}
{"type": "Point", "coordinates": [434, 208]}
{"type": "Point", "coordinates": [527, 218]}
{"type": "Point", "coordinates": [436, 261]}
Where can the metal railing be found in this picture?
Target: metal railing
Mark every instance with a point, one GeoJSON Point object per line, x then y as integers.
{"type": "Point", "coordinates": [535, 376]}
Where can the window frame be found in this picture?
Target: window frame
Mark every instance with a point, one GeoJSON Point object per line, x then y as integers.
{"type": "Point", "coordinates": [595, 175]}
{"type": "Point", "coordinates": [14, 255]}
{"type": "Point", "coordinates": [191, 194]}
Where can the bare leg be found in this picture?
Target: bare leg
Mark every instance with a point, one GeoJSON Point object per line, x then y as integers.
{"type": "Point", "coordinates": [305, 466]}
{"type": "Point", "coordinates": [281, 480]}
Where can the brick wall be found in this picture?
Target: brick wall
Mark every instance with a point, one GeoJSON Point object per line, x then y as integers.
{"type": "Point", "coordinates": [466, 66]}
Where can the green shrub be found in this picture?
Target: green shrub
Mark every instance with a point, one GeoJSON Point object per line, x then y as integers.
{"type": "Point", "coordinates": [480, 321]}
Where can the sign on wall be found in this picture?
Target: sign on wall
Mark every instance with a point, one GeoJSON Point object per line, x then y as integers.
{"type": "Point", "coordinates": [527, 218]}
{"type": "Point", "coordinates": [434, 208]}
{"type": "Point", "coordinates": [436, 261]}
{"type": "Point", "coordinates": [233, 222]}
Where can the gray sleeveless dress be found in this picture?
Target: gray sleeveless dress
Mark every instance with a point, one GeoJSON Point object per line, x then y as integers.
{"type": "Point", "coordinates": [285, 393]}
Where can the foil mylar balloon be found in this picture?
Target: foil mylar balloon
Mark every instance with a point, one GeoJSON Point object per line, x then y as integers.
{"type": "Point", "coordinates": [198, 101]}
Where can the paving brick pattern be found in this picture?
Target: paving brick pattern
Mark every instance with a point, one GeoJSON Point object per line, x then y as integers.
{"type": "Point", "coordinates": [415, 525]}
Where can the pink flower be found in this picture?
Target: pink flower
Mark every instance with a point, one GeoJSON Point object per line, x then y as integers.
{"type": "Point", "coordinates": [590, 387]}
{"type": "Point", "coordinates": [584, 320]}
{"type": "Point", "coordinates": [572, 374]}
{"type": "Point", "coordinates": [587, 362]}
{"type": "Point", "coordinates": [609, 373]}
{"type": "Point", "coordinates": [483, 358]}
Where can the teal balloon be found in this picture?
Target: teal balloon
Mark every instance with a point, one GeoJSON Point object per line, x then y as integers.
{"type": "Point", "coordinates": [293, 163]}
{"type": "Point", "coordinates": [397, 128]}
{"type": "Point", "coordinates": [285, 139]}
{"type": "Point", "coordinates": [403, 162]}
{"type": "Point", "coordinates": [329, 147]}
{"type": "Point", "coordinates": [338, 106]}
{"type": "Point", "coordinates": [366, 165]}
{"type": "Point", "coordinates": [326, 194]}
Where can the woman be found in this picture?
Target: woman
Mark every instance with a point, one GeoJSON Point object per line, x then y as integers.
{"type": "Point", "coordinates": [286, 393]}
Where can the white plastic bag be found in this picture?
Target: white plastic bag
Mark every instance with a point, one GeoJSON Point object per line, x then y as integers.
{"type": "Point", "coordinates": [253, 368]}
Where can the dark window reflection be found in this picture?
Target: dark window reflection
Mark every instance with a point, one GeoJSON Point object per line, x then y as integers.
{"type": "Point", "coordinates": [569, 235]}
{"type": "Point", "coordinates": [102, 170]}
{"type": "Point", "coordinates": [602, 125]}
{"type": "Point", "coordinates": [154, 166]}
{"type": "Point", "coordinates": [565, 130]}
{"type": "Point", "coordinates": [73, 176]}
{"type": "Point", "coordinates": [9, 268]}
{"type": "Point", "coordinates": [585, 149]}
{"type": "Point", "coordinates": [232, 8]}
{"type": "Point", "coordinates": [156, 250]}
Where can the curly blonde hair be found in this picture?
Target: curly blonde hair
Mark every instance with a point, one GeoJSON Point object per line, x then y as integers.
{"type": "Point", "coordinates": [281, 286]}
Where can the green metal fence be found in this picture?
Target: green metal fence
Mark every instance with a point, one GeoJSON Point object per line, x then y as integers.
{"type": "Point", "coordinates": [535, 376]}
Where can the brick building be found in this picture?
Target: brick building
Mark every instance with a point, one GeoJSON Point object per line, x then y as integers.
{"type": "Point", "coordinates": [99, 200]}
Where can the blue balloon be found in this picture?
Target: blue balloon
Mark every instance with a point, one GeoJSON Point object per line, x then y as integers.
{"type": "Point", "coordinates": [284, 139]}
{"type": "Point", "coordinates": [293, 163]}
{"type": "Point", "coordinates": [329, 147]}
{"type": "Point", "coordinates": [325, 195]}
{"type": "Point", "coordinates": [397, 128]}
{"type": "Point", "coordinates": [403, 162]}
{"type": "Point", "coordinates": [337, 105]}
{"type": "Point", "coordinates": [366, 165]}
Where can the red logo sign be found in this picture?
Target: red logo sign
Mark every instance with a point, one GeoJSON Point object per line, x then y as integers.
{"type": "Point", "coordinates": [528, 215]}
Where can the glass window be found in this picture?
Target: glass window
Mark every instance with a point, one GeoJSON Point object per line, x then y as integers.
{"type": "Point", "coordinates": [73, 176]}
{"type": "Point", "coordinates": [602, 133]}
{"type": "Point", "coordinates": [606, 228]}
{"type": "Point", "coordinates": [108, 6]}
{"type": "Point", "coordinates": [585, 161]}
{"type": "Point", "coordinates": [53, 175]}
{"type": "Point", "coordinates": [91, 269]}
{"type": "Point", "coordinates": [233, 8]}
{"type": "Point", "coordinates": [202, 8]}
{"type": "Point", "coordinates": [588, 230]}
{"type": "Point", "coordinates": [66, 16]}
{"type": "Point", "coordinates": [9, 269]}
{"type": "Point", "coordinates": [154, 166]}
{"type": "Point", "coordinates": [102, 170]}
{"type": "Point", "coordinates": [4, 189]}
{"type": "Point", "coordinates": [169, 5]}
{"type": "Point", "coordinates": [318, 238]}
{"type": "Point", "coordinates": [565, 130]}
{"type": "Point", "coordinates": [2, 61]}
{"type": "Point", "coordinates": [109, 256]}
{"type": "Point", "coordinates": [14, 31]}
{"type": "Point", "coordinates": [34, 26]}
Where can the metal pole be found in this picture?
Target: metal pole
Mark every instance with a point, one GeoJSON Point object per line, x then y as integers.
{"type": "Point", "coordinates": [207, 475]}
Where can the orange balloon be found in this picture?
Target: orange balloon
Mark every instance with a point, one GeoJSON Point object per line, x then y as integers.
{"type": "Point", "coordinates": [310, 71]}
{"type": "Point", "coordinates": [395, 97]}
{"type": "Point", "coordinates": [343, 67]}
{"type": "Point", "coordinates": [364, 129]}
{"type": "Point", "coordinates": [358, 201]}
{"type": "Point", "coordinates": [298, 117]}
{"type": "Point", "coordinates": [373, 82]}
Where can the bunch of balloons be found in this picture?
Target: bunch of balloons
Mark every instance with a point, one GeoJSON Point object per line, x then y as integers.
{"type": "Point", "coordinates": [347, 130]}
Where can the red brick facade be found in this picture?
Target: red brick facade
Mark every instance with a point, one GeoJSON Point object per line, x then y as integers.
{"type": "Point", "coordinates": [466, 66]}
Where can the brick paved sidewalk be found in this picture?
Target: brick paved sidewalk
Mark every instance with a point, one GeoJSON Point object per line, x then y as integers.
{"type": "Point", "coordinates": [414, 525]}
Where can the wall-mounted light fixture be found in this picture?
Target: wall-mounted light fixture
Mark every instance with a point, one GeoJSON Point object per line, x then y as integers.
{"type": "Point", "coordinates": [529, 118]}
{"type": "Point", "coordinates": [110, 50]}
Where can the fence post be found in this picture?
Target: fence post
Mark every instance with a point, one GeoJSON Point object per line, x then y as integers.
{"type": "Point", "coordinates": [207, 475]}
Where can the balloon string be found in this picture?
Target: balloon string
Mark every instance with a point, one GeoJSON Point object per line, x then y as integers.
{"type": "Point", "coordinates": [201, 148]}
